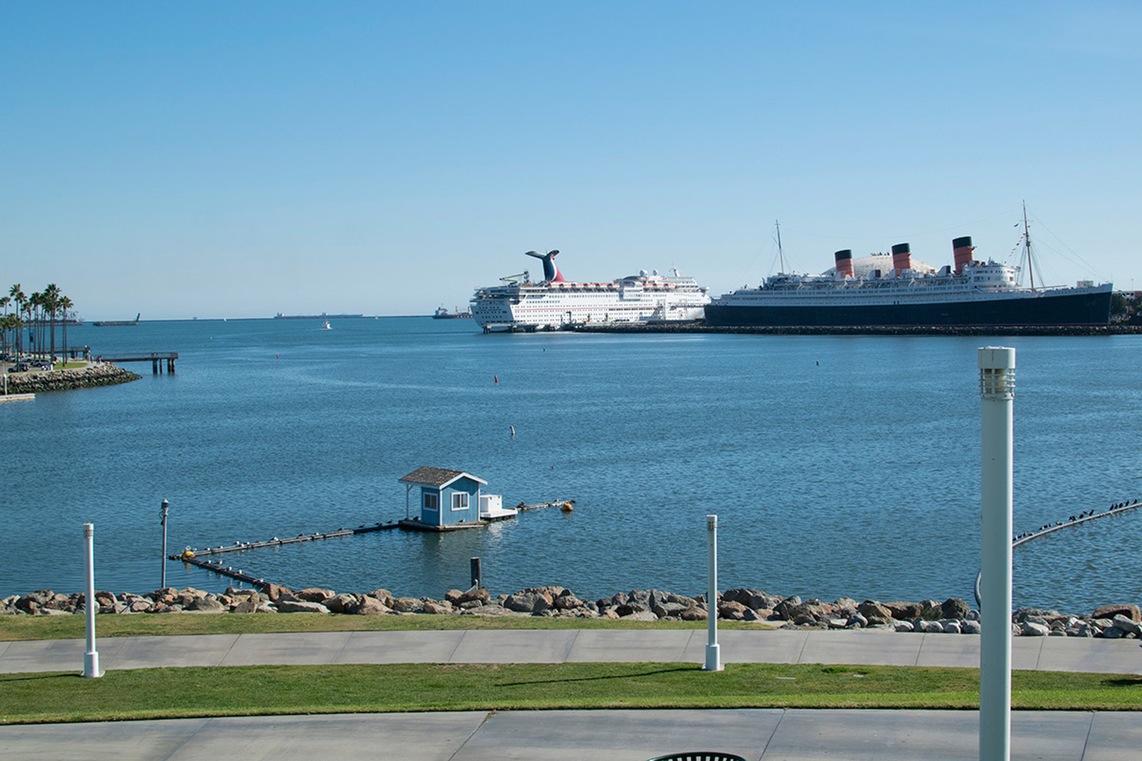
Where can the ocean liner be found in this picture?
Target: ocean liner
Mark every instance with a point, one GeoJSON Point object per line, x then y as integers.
{"type": "Point", "coordinates": [883, 291]}
{"type": "Point", "coordinates": [556, 303]}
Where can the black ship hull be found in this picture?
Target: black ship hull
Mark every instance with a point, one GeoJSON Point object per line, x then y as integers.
{"type": "Point", "coordinates": [1090, 308]}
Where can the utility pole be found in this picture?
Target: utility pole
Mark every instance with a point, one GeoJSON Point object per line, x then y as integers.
{"type": "Point", "coordinates": [997, 392]}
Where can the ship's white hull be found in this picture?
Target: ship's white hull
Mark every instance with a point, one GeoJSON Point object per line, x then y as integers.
{"type": "Point", "coordinates": [540, 307]}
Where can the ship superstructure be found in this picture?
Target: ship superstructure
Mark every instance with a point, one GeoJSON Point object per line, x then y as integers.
{"type": "Point", "coordinates": [884, 290]}
{"type": "Point", "coordinates": [556, 303]}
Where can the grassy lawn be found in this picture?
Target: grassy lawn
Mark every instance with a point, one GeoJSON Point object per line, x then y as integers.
{"type": "Point", "coordinates": [187, 692]}
{"type": "Point", "coordinates": [71, 627]}
{"type": "Point", "coordinates": [71, 364]}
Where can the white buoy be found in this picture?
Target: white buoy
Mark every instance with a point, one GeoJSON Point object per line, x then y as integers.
{"type": "Point", "coordinates": [997, 393]}
{"type": "Point", "coordinates": [713, 653]}
{"type": "Point", "coordinates": [91, 668]}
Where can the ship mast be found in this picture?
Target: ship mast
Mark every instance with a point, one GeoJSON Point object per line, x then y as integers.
{"type": "Point", "coordinates": [780, 253]}
{"type": "Point", "coordinates": [1027, 246]}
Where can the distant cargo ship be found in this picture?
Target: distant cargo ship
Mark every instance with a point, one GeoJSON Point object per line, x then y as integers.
{"type": "Point", "coordinates": [882, 291]}
{"type": "Point", "coordinates": [443, 314]}
{"type": "Point", "coordinates": [555, 303]}
{"type": "Point", "coordinates": [322, 316]}
{"type": "Point", "coordinates": [117, 323]}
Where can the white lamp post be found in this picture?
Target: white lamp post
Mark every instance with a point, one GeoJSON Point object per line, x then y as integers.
{"type": "Point", "coordinates": [997, 392]}
{"type": "Point", "coordinates": [91, 668]}
{"type": "Point", "coordinates": [713, 654]}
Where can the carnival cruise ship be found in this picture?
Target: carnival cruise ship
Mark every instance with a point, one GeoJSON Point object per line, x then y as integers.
{"type": "Point", "coordinates": [883, 290]}
{"type": "Point", "coordinates": [556, 303]}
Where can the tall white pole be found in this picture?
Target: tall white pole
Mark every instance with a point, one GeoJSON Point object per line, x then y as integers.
{"type": "Point", "coordinates": [91, 668]}
{"type": "Point", "coordinates": [163, 577]}
{"type": "Point", "coordinates": [997, 392]}
{"type": "Point", "coordinates": [713, 654]}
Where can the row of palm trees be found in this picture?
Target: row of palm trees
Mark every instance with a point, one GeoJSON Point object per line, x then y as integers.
{"type": "Point", "coordinates": [41, 311]}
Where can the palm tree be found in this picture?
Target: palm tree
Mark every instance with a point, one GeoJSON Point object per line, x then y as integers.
{"type": "Point", "coordinates": [51, 306]}
{"type": "Point", "coordinates": [65, 304]}
{"type": "Point", "coordinates": [17, 295]}
{"type": "Point", "coordinates": [4, 302]}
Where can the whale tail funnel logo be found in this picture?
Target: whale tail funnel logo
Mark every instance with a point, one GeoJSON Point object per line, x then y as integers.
{"type": "Point", "coordinates": [551, 273]}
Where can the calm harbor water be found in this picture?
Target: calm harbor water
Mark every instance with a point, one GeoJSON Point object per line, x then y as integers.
{"type": "Point", "coordinates": [837, 465]}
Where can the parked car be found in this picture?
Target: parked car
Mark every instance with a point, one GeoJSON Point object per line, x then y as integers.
{"type": "Point", "coordinates": [19, 367]}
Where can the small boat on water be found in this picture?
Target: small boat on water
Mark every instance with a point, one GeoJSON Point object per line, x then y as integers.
{"type": "Point", "coordinates": [326, 326]}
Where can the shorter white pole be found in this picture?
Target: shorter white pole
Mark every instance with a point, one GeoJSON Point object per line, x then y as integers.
{"type": "Point", "coordinates": [91, 668]}
{"type": "Point", "coordinates": [713, 654]}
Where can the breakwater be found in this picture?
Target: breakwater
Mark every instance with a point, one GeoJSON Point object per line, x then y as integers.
{"type": "Point", "coordinates": [92, 376]}
{"type": "Point", "coordinates": [952, 616]}
{"type": "Point", "coordinates": [864, 330]}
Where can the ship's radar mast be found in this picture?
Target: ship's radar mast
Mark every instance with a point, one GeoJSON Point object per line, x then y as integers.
{"type": "Point", "coordinates": [780, 253]}
{"type": "Point", "coordinates": [1027, 246]}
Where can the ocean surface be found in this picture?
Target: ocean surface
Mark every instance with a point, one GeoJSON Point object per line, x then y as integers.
{"type": "Point", "coordinates": [837, 465]}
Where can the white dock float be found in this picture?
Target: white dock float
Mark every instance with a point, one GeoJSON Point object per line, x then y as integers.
{"type": "Point", "coordinates": [16, 398]}
{"type": "Point", "coordinates": [492, 508]}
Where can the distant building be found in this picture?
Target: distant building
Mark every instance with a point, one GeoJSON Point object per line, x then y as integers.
{"type": "Point", "coordinates": [450, 499]}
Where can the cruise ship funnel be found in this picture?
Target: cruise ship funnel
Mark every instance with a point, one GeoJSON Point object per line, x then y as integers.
{"type": "Point", "coordinates": [962, 250]}
{"type": "Point", "coordinates": [901, 257]}
{"type": "Point", "coordinates": [844, 260]}
{"type": "Point", "coordinates": [551, 273]}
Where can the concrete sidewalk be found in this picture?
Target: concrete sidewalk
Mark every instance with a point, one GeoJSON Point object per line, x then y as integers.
{"type": "Point", "coordinates": [786, 735]}
{"type": "Point", "coordinates": [570, 645]}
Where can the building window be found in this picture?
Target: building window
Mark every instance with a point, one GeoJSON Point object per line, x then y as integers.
{"type": "Point", "coordinates": [460, 500]}
{"type": "Point", "coordinates": [431, 500]}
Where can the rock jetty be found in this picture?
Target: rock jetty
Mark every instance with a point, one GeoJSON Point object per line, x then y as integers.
{"type": "Point", "coordinates": [98, 374]}
{"type": "Point", "coordinates": [952, 616]}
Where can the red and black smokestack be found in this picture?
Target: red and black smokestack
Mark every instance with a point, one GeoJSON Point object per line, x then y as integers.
{"type": "Point", "coordinates": [901, 257]}
{"type": "Point", "coordinates": [844, 261]}
{"type": "Point", "coordinates": [962, 251]}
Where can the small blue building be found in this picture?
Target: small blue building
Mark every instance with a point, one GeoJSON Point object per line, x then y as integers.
{"type": "Point", "coordinates": [447, 498]}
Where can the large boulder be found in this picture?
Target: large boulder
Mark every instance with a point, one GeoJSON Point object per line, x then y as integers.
{"type": "Point", "coordinates": [1127, 625]}
{"type": "Point", "coordinates": [371, 606]}
{"type": "Point", "coordinates": [954, 607]}
{"type": "Point", "coordinates": [871, 609]}
{"type": "Point", "coordinates": [315, 594]}
{"type": "Point", "coordinates": [300, 606]}
{"type": "Point", "coordinates": [384, 595]}
{"type": "Point", "coordinates": [783, 608]}
{"type": "Point", "coordinates": [342, 603]}
{"type": "Point", "coordinates": [206, 605]}
{"type": "Point", "coordinates": [531, 600]}
{"type": "Point", "coordinates": [1034, 629]}
{"type": "Point", "coordinates": [407, 605]}
{"type": "Point", "coordinates": [435, 607]}
{"type": "Point", "coordinates": [1129, 610]}
{"type": "Point", "coordinates": [732, 611]}
{"type": "Point", "coordinates": [904, 611]}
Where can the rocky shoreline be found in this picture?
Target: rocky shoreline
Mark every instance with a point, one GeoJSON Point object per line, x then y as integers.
{"type": "Point", "coordinates": [952, 616]}
{"type": "Point", "coordinates": [92, 376]}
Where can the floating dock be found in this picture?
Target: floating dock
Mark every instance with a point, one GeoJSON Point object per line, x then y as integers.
{"type": "Point", "coordinates": [17, 398]}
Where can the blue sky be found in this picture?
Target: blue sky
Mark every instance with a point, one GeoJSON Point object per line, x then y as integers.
{"type": "Point", "coordinates": [239, 159]}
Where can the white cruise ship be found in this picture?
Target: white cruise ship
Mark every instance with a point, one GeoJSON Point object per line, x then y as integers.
{"type": "Point", "coordinates": [555, 303]}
